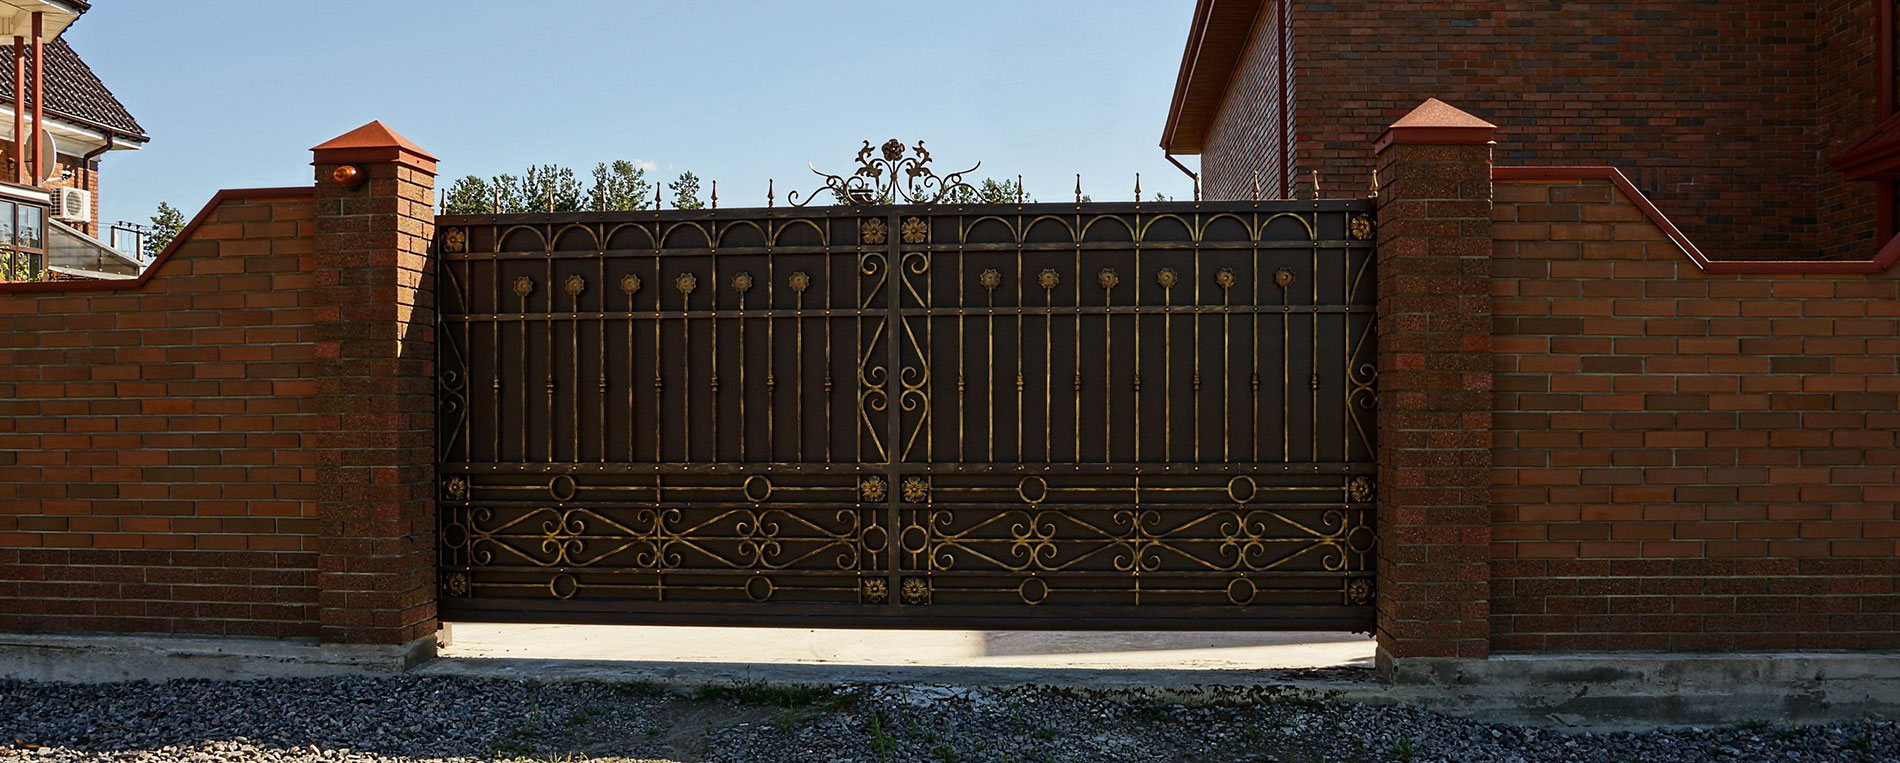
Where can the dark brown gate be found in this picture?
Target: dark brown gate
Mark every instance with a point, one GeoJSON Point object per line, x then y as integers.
{"type": "Point", "coordinates": [1153, 415]}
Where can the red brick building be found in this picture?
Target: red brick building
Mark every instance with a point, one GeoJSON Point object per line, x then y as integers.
{"type": "Point", "coordinates": [1731, 116]}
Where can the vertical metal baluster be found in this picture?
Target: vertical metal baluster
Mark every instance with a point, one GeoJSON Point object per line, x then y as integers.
{"type": "Point", "coordinates": [1226, 370]}
{"type": "Point", "coordinates": [1020, 296]}
{"type": "Point", "coordinates": [1077, 422]}
{"type": "Point", "coordinates": [633, 433]}
{"type": "Point", "coordinates": [1254, 384]}
{"type": "Point", "coordinates": [1167, 369]}
{"type": "Point", "coordinates": [659, 384]}
{"type": "Point", "coordinates": [744, 423]}
{"type": "Point", "coordinates": [547, 319]}
{"type": "Point", "coordinates": [574, 347]}
{"type": "Point", "coordinates": [1135, 357]}
{"type": "Point", "coordinates": [771, 348]}
{"type": "Point", "coordinates": [1313, 359]}
{"type": "Point", "coordinates": [526, 366]}
{"type": "Point", "coordinates": [989, 373]}
{"type": "Point", "coordinates": [798, 372]}
{"type": "Point", "coordinates": [1286, 375]}
{"type": "Point", "coordinates": [829, 256]}
{"type": "Point", "coordinates": [1108, 366]}
{"type": "Point", "coordinates": [1194, 379]}
{"type": "Point", "coordinates": [1048, 370]}
{"type": "Point", "coordinates": [601, 270]}
{"type": "Point", "coordinates": [963, 401]}
{"type": "Point", "coordinates": [494, 331]}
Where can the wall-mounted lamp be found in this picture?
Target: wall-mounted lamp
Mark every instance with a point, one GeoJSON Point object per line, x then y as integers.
{"type": "Point", "coordinates": [348, 175]}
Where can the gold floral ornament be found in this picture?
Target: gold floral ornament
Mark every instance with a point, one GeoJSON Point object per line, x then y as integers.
{"type": "Point", "coordinates": [1048, 279]}
{"type": "Point", "coordinates": [1361, 227]}
{"type": "Point", "coordinates": [629, 283]}
{"type": "Point", "coordinates": [455, 240]}
{"type": "Point", "coordinates": [455, 584]}
{"type": "Point", "coordinates": [872, 488]}
{"type": "Point", "coordinates": [456, 489]}
{"type": "Point", "coordinates": [875, 590]}
{"type": "Point", "coordinates": [576, 285]}
{"type": "Point", "coordinates": [990, 279]}
{"type": "Point", "coordinates": [915, 231]}
{"type": "Point", "coordinates": [1360, 489]}
{"type": "Point", "coordinates": [1283, 278]}
{"type": "Point", "coordinates": [1167, 278]}
{"type": "Point", "coordinates": [1225, 278]}
{"type": "Point", "coordinates": [686, 283]}
{"type": "Point", "coordinates": [1359, 591]}
{"type": "Point", "coordinates": [800, 281]}
{"type": "Point", "coordinates": [872, 231]}
{"type": "Point", "coordinates": [893, 150]}
{"type": "Point", "coordinates": [523, 286]}
{"type": "Point", "coordinates": [1108, 278]}
{"type": "Point", "coordinates": [916, 591]}
{"type": "Point", "coordinates": [742, 282]}
{"type": "Point", "coordinates": [916, 490]}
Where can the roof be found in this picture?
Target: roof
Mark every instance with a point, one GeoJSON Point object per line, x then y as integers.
{"type": "Point", "coordinates": [1215, 45]}
{"type": "Point", "coordinates": [1874, 156]}
{"type": "Point", "coordinates": [75, 94]}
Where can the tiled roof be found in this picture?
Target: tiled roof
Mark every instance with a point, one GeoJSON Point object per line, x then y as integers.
{"type": "Point", "coordinates": [73, 92]}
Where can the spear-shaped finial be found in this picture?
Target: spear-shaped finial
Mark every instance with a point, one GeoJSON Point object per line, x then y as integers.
{"type": "Point", "coordinates": [1078, 187]}
{"type": "Point", "coordinates": [550, 198]}
{"type": "Point", "coordinates": [1375, 184]}
{"type": "Point", "coordinates": [497, 203]}
{"type": "Point", "coordinates": [770, 199]}
{"type": "Point", "coordinates": [1019, 188]}
{"type": "Point", "coordinates": [659, 189]}
{"type": "Point", "coordinates": [1256, 184]}
{"type": "Point", "coordinates": [1137, 187]}
{"type": "Point", "coordinates": [1197, 187]}
{"type": "Point", "coordinates": [715, 194]}
{"type": "Point", "coordinates": [1316, 185]}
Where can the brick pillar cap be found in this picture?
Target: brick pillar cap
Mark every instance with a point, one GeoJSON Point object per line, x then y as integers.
{"type": "Point", "coordinates": [373, 142]}
{"type": "Point", "coordinates": [1436, 122]}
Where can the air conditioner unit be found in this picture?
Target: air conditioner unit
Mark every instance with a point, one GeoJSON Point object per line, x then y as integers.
{"type": "Point", "coordinates": [73, 205]}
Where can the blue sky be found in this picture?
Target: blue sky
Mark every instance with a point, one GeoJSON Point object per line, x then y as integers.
{"type": "Point", "coordinates": [235, 92]}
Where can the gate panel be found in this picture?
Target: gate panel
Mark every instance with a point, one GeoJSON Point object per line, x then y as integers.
{"type": "Point", "coordinates": [1089, 415]}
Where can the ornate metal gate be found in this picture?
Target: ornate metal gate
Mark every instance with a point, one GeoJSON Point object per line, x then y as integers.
{"type": "Point", "coordinates": [1146, 415]}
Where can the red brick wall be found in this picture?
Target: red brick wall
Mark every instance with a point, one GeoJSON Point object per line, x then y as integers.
{"type": "Point", "coordinates": [1683, 460]}
{"type": "Point", "coordinates": [153, 474]}
{"type": "Point", "coordinates": [1711, 107]}
{"type": "Point", "coordinates": [1253, 133]}
{"type": "Point", "coordinates": [1845, 97]}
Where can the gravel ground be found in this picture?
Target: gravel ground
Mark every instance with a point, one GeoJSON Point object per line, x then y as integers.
{"type": "Point", "coordinates": [452, 719]}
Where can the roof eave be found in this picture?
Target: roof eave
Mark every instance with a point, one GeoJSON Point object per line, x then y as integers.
{"type": "Point", "coordinates": [1215, 46]}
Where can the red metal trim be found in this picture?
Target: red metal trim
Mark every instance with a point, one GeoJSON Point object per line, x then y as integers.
{"type": "Point", "coordinates": [1885, 259]}
{"type": "Point", "coordinates": [184, 235]}
{"type": "Point", "coordinates": [19, 109]}
{"type": "Point", "coordinates": [39, 100]}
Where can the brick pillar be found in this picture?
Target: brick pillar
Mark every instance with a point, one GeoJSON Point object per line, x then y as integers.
{"type": "Point", "coordinates": [1434, 171]}
{"type": "Point", "coordinates": [376, 391]}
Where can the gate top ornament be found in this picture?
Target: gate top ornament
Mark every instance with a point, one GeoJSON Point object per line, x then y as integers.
{"type": "Point", "coordinates": [891, 176]}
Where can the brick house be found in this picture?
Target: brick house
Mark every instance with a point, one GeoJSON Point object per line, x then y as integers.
{"type": "Point", "coordinates": [82, 121]}
{"type": "Point", "coordinates": [1731, 116]}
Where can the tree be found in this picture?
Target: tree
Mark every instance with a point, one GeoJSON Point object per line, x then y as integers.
{"type": "Point", "coordinates": [619, 187]}
{"type": "Point", "coordinates": [468, 196]}
{"type": "Point", "coordinates": [990, 191]}
{"type": "Point", "coordinates": [686, 192]}
{"type": "Point", "coordinates": [165, 226]}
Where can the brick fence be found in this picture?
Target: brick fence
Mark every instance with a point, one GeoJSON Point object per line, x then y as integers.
{"type": "Point", "coordinates": [239, 442]}
{"type": "Point", "coordinates": [1592, 437]}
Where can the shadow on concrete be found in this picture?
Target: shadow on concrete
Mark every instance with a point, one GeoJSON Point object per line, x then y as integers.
{"type": "Point", "coordinates": [1022, 643]}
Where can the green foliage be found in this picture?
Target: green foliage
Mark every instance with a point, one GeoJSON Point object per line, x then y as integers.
{"type": "Point", "coordinates": [686, 192]}
{"type": "Point", "coordinates": [784, 697]}
{"type": "Point", "coordinates": [470, 195]}
{"type": "Point", "coordinates": [619, 187]}
{"type": "Point", "coordinates": [165, 226]}
{"type": "Point", "coordinates": [990, 191]}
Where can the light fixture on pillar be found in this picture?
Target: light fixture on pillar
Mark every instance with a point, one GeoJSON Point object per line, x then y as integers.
{"type": "Point", "coordinates": [348, 175]}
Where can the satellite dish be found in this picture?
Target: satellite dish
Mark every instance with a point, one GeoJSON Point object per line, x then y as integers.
{"type": "Point", "coordinates": [49, 155]}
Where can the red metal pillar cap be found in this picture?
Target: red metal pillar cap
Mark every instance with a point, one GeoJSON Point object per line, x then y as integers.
{"type": "Point", "coordinates": [1437, 122]}
{"type": "Point", "coordinates": [373, 142]}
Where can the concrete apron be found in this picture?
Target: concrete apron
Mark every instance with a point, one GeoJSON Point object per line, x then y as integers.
{"type": "Point", "coordinates": [1586, 691]}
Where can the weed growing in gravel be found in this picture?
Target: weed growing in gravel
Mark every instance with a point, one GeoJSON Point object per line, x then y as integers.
{"type": "Point", "coordinates": [641, 689]}
{"type": "Point", "coordinates": [1402, 750]}
{"type": "Point", "coordinates": [1753, 727]}
{"type": "Point", "coordinates": [782, 697]}
{"type": "Point", "coordinates": [945, 754]}
{"type": "Point", "coordinates": [881, 743]}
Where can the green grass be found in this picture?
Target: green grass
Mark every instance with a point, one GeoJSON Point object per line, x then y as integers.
{"type": "Point", "coordinates": [782, 697]}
